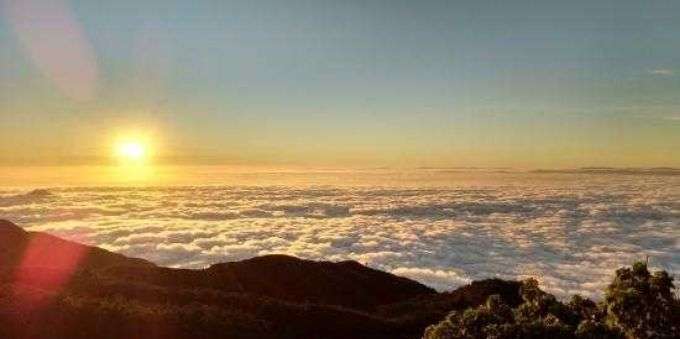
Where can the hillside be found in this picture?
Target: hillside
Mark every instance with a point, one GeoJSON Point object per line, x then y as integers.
{"type": "Point", "coordinates": [53, 288]}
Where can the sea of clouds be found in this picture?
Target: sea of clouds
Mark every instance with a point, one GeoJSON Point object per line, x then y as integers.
{"type": "Point", "coordinates": [571, 232]}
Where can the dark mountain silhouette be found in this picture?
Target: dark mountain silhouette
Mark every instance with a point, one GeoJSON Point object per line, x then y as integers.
{"type": "Point", "coordinates": [53, 288]}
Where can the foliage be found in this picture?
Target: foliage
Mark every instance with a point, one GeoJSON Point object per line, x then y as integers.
{"type": "Point", "coordinates": [637, 304]}
{"type": "Point", "coordinates": [642, 304]}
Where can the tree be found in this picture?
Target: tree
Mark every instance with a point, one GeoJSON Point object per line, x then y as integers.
{"type": "Point", "coordinates": [642, 304]}
{"type": "Point", "coordinates": [637, 305]}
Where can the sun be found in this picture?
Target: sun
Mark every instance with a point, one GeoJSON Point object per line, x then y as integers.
{"type": "Point", "coordinates": [132, 151]}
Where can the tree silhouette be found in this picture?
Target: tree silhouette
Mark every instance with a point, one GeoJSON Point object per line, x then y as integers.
{"type": "Point", "coordinates": [637, 304]}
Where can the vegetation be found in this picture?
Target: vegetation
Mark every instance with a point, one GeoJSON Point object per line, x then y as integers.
{"type": "Point", "coordinates": [637, 304]}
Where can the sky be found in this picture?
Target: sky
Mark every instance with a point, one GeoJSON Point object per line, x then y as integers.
{"type": "Point", "coordinates": [535, 84]}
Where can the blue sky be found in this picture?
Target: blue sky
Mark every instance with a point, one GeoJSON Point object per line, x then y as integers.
{"type": "Point", "coordinates": [422, 83]}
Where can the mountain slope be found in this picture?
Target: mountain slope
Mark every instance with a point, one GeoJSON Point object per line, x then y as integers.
{"type": "Point", "coordinates": [51, 287]}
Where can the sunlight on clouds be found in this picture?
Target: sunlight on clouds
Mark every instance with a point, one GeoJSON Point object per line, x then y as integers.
{"type": "Point", "coordinates": [132, 173]}
{"type": "Point", "coordinates": [568, 231]}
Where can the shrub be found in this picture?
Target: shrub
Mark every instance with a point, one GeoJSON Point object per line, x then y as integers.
{"type": "Point", "coordinates": [637, 304]}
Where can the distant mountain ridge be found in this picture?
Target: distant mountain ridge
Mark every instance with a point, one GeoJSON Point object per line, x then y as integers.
{"type": "Point", "coordinates": [55, 288]}
{"type": "Point", "coordinates": [672, 171]}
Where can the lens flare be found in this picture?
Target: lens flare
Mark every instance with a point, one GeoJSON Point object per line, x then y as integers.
{"type": "Point", "coordinates": [56, 42]}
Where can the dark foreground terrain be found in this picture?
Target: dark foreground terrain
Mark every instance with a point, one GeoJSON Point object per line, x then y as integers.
{"type": "Point", "coordinates": [53, 288]}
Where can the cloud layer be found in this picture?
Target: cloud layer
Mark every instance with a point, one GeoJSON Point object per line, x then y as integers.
{"type": "Point", "coordinates": [570, 233]}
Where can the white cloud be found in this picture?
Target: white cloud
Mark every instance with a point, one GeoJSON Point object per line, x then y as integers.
{"type": "Point", "coordinates": [571, 234]}
{"type": "Point", "coordinates": [661, 71]}
{"type": "Point", "coordinates": [437, 278]}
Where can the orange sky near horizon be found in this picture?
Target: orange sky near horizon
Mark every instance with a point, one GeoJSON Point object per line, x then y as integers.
{"type": "Point", "coordinates": [333, 84]}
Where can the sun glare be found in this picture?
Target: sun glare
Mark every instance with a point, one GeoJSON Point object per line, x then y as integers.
{"type": "Point", "coordinates": [134, 151]}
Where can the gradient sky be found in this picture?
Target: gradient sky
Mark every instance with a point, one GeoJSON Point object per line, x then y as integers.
{"type": "Point", "coordinates": [343, 83]}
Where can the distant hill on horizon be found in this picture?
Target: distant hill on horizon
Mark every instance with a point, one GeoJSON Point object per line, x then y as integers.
{"type": "Point", "coordinates": [615, 170]}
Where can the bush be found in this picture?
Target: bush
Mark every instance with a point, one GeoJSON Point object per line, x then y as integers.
{"type": "Point", "coordinates": [637, 304]}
